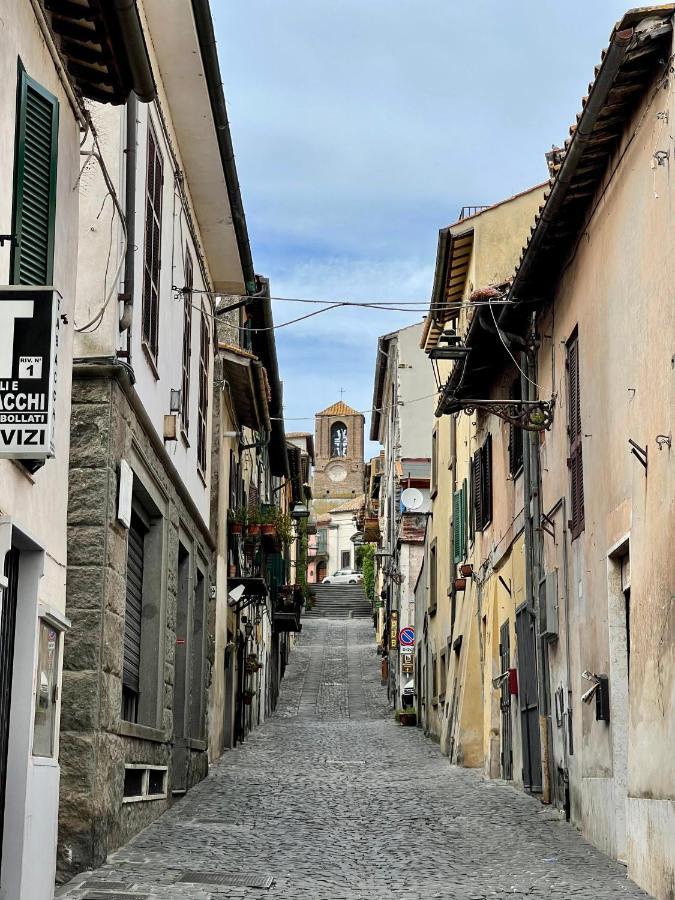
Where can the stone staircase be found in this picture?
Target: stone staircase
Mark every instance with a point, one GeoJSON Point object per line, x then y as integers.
{"type": "Point", "coordinates": [339, 601]}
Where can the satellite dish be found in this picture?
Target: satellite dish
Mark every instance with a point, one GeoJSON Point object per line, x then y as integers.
{"type": "Point", "coordinates": [412, 498]}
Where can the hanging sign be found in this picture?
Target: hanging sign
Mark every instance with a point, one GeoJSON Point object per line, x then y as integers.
{"type": "Point", "coordinates": [393, 630]}
{"type": "Point", "coordinates": [29, 344]}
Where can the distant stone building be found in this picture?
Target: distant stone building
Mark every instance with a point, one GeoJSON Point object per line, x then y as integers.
{"type": "Point", "coordinates": [338, 473]}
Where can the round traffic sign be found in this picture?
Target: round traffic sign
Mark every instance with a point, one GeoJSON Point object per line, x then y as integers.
{"type": "Point", "coordinates": [407, 637]}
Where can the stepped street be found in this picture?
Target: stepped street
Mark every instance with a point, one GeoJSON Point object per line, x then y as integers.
{"type": "Point", "coordinates": [314, 804]}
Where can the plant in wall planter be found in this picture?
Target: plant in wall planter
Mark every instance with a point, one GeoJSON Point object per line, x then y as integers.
{"type": "Point", "coordinates": [253, 528]}
{"type": "Point", "coordinates": [236, 519]}
{"type": "Point", "coordinates": [248, 697]}
{"type": "Point", "coordinates": [285, 530]}
{"type": "Point", "coordinates": [268, 522]}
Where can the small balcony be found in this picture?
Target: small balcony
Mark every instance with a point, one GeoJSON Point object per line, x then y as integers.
{"type": "Point", "coordinates": [287, 608]}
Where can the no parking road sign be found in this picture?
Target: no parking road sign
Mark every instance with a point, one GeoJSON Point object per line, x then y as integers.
{"type": "Point", "coordinates": [406, 637]}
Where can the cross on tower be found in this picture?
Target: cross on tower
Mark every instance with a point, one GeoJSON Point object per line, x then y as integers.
{"type": "Point", "coordinates": [342, 392]}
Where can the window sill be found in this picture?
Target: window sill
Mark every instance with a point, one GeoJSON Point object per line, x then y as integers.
{"type": "Point", "coordinates": [144, 799]}
{"type": "Point", "coordinates": [142, 732]}
{"type": "Point", "coordinates": [150, 359]}
{"type": "Point", "coordinates": [197, 744]}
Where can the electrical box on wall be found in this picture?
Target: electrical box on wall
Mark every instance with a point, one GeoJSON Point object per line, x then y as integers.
{"type": "Point", "coordinates": [548, 606]}
{"type": "Point", "coordinates": [602, 699]}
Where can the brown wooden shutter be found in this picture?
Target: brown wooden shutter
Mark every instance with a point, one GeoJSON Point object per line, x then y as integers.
{"type": "Point", "coordinates": [187, 344]}
{"type": "Point", "coordinates": [486, 491]}
{"type": "Point", "coordinates": [477, 492]}
{"type": "Point", "coordinates": [575, 438]}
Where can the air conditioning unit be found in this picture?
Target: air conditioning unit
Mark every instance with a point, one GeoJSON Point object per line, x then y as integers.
{"type": "Point", "coordinates": [548, 606]}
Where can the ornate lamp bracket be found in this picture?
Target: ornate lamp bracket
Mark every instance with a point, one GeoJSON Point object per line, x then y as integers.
{"type": "Point", "coordinates": [530, 415]}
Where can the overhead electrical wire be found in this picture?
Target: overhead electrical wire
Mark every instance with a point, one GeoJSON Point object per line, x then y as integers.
{"type": "Point", "coordinates": [363, 412]}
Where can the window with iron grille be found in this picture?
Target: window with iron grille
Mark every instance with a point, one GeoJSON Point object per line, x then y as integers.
{"type": "Point", "coordinates": [516, 435]}
{"type": "Point", "coordinates": [203, 390]}
{"type": "Point", "coordinates": [152, 248]}
{"type": "Point", "coordinates": [37, 128]}
{"type": "Point", "coordinates": [187, 343]}
{"type": "Point", "coordinates": [574, 432]}
{"type": "Point", "coordinates": [482, 485]}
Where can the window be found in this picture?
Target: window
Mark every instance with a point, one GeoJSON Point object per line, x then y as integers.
{"type": "Point", "coordinates": [143, 782]}
{"type": "Point", "coordinates": [432, 577]}
{"type": "Point", "coordinates": [482, 485]}
{"type": "Point", "coordinates": [459, 523]}
{"type": "Point", "coordinates": [322, 540]}
{"type": "Point", "coordinates": [187, 344]}
{"type": "Point", "coordinates": [516, 435]}
{"type": "Point", "coordinates": [574, 432]}
{"type": "Point", "coordinates": [346, 559]}
{"type": "Point", "coordinates": [133, 614]}
{"type": "Point", "coordinates": [152, 250]}
{"type": "Point", "coordinates": [442, 676]}
{"type": "Point", "coordinates": [203, 391]}
{"type": "Point", "coordinates": [37, 128]}
{"type": "Point", "coordinates": [434, 462]}
{"type": "Point", "coordinates": [338, 439]}
{"type": "Point", "coordinates": [45, 691]}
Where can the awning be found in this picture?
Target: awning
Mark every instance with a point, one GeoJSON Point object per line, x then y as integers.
{"type": "Point", "coordinates": [249, 391]}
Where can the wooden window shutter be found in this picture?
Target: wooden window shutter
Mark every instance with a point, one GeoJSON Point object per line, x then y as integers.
{"type": "Point", "coordinates": [463, 506]}
{"type": "Point", "coordinates": [486, 492]}
{"type": "Point", "coordinates": [34, 214]}
{"type": "Point", "coordinates": [457, 526]}
{"type": "Point", "coordinates": [516, 435]}
{"type": "Point", "coordinates": [477, 491]}
{"type": "Point", "coordinates": [575, 438]}
{"type": "Point", "coordinates": [202, 415]}
{"type": "Point", "coordinates": [152, 248]}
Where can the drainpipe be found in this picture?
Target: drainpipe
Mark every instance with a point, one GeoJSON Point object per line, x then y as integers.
{"type": "Point", "coordinates": [130, 217]}
{"type": "Point", "coordinates": [533, 558]}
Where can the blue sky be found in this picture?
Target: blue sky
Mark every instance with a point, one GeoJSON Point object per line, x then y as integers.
{"type": "Point", "coordinates": [361, 127]}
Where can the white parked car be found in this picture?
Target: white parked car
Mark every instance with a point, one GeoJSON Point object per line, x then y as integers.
{"type": "Point", "coordinates": [344, 576]}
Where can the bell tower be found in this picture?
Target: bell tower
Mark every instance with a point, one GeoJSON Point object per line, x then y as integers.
{"type": "Point", "coordinates": [338, 441]}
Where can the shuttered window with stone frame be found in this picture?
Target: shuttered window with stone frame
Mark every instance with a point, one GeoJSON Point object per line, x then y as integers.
{"type": "Point", "coordinates": [574, 431]}
{"type": "Point", "coordinates": [35, 172]}
{"type": "Point", "coordinates": [187, 345]}
{"type": "Point", "coordinates": [482, 485]}
{"type": "Point", "coordinates": [202, 418]}
{"type": "Point", "coordinates": [153, 244]}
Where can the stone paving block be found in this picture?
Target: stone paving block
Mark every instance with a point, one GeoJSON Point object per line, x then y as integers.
{"type": "Point", "coordinates": [337, 802]}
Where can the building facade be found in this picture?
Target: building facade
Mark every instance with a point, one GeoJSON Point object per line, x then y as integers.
{"type": "Point", "coordinates": [562, 512]}
{"type": "Point", "coordinates": [43, 120]}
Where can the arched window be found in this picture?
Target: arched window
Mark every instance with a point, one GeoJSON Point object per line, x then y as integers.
{"type": "Point", "coordinates": [338, 439]}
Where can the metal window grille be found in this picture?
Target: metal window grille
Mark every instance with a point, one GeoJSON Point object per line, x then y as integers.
{"type": "Point", "coordinates": [152, 247]}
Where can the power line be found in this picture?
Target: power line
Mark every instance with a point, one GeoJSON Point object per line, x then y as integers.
{"type": "Point", "coordinates": [363, 412]}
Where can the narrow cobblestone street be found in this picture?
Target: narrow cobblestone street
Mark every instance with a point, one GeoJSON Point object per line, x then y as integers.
{"type": "Point", "coordinates": [331, 799]}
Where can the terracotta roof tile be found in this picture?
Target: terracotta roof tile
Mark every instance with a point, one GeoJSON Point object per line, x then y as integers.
{"type": "Point", "coordinates": [339, 409]}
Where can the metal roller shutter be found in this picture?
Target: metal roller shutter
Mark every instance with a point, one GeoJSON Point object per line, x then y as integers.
{"type": "Point", "coordinates": [134, 605]}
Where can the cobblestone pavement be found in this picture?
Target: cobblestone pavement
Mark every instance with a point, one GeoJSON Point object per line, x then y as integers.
{"type": "Point", "coordinates": [332, 799]}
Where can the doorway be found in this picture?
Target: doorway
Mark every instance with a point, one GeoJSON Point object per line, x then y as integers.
{"type": "Point", "coordinates": [529, 699]}
{"type": "Point", "coordinates": [180, 690]}
{"type": "Point", "coordinates": [619, 622]}
{"type": "Point", "coordinates": [7, 634]}
{"type": "Point", "coordinates": [505, 702]}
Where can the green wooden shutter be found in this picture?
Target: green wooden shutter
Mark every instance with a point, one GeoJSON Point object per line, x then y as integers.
{"type": "Point", "coordinates": [37, 128]}
{"type": "Point", "coordinates": [464, 508]}
{"type": "Point", "coordinates": [456, 526]}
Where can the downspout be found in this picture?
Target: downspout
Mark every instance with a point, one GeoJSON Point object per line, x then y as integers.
{"type": "Point", "coordinates": [533, 556]}
{"type": "Point", "coordinates": [130, 216]}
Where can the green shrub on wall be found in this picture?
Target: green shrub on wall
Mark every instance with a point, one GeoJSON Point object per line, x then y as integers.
{"type": "Point", "coordinates": [365, 560]}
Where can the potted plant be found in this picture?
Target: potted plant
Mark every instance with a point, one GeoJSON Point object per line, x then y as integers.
{"type": "Point", "coordinates": [466, 569]}
{"type": "Point", "coordinates": [237, 519]}
{"type": "Point", "coordinates": [406, 716]}
{"type": "Point", "coordinates": [284, 525]}
{"type": "Point", "coordinates": [253, 527]}
{"type": "Point", "coordinates": [460, 584]}
{"type": "Point", "coordinates": [248, 696]}
{"type": "Point", "coordinates": [268, 522]}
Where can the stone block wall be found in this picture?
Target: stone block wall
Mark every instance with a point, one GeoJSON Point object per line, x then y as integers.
{"type": "Point", "coordinates": [94, 747]}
